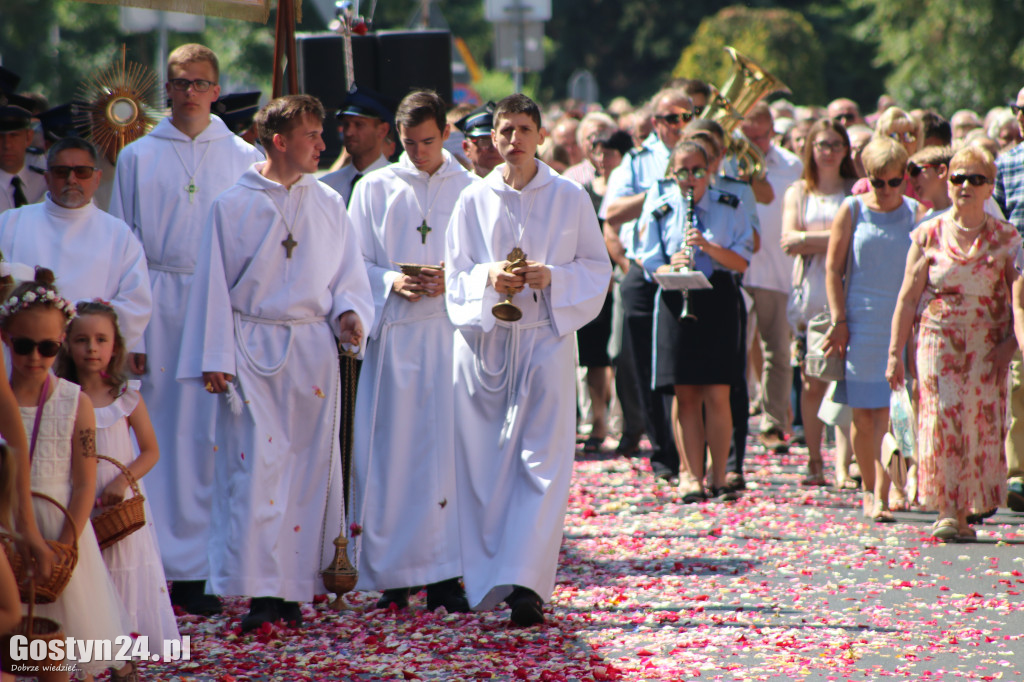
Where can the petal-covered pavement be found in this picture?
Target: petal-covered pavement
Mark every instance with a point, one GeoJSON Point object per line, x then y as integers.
{"type": "Point", "coordinates": [788, 583]}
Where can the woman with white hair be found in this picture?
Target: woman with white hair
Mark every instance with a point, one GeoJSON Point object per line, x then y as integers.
{"type": "Point", "coordinates": [956, 288]}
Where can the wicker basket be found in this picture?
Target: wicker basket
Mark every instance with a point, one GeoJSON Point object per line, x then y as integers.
{"type": "Point", "coordinates": [120, 520]}
{"type": "Point", "coordinates": [65, 558]}
{"type": "Point", "coordinates": [31, 627]}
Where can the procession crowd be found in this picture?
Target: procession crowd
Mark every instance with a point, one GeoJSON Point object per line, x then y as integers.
{"type": "Point", "coordinates": [652, 274]}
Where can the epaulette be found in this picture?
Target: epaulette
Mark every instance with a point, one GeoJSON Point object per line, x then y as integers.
{"type": "Point", "coordinates": [730, 200]}
{"type": "Point", "coordinates": [665, 185]}
{"type": "Point", "coordinates": [662, 211]}
{"type": "Point", "coordinates": [637, 151]}
{"type": "Point", "coordinates": [739, 180]}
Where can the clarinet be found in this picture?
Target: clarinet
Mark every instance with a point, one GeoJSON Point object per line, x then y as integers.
{"type": "Point", "coordinates": [691, 223]}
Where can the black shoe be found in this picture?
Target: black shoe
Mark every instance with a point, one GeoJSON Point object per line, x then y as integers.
{"type": "Point", "coordinates": [527, 607]}
{"type": "Point", "coordinates": [628, 445]}
{"type": "Point", "coordinates": [291, 613]}
{"type": "Point", "coordinates": [190, 596]}
{"type": "Point", "coordinates": [661, 471]}
{"type": "Point", "coordinates": [1015, 497]}
{"type": "Point", "coordinates": [399, 597]}
{"type": "Point", "coordinates": [724, 494]}
{"type": "Point", "coordinates": [735, 482]}
{"type": "Point", "coordinates": [449, 594]}
{"type": "Point", "coordinates": [978, 517]}
{"type": "Point", "coordinates": [261, 610]}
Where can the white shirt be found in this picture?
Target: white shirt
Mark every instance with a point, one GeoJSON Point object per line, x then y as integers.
{"type": "Point", "coordinates": [771, 268]}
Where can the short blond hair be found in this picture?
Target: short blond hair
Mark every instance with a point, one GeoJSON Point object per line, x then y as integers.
{"type": "Point", "coordinates": [190, 53]}
{"type": "Point", "coordinates": [974, 154]}
{"type": "Point", "coordinates": [883, 154]}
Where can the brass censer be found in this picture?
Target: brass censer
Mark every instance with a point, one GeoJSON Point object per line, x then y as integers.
{"type": "Point", "coordinates": [340, 576]}
{"type": "Point", "coordinates": [506, 310]}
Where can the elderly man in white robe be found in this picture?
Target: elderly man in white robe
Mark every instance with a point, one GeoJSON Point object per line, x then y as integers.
{"type": "Point", "coordinates": [515, 380]}
{"type": "Point", "coordinates": [405, 497]}
{"type": "Point", "coordinates": [165, 184]}
{"type": "Point", "coordinates": [92, 253]}
{"type": "Point", "coordinates": [279, 280]}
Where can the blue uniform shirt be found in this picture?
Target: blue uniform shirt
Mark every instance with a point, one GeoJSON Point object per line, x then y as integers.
{"type": "Point", "coordinates": [637, 173]}
{"type": "Point", "coordinates": [721, 217]}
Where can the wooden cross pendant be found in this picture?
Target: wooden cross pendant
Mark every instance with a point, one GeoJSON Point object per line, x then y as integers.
{"type": "Point", "coordinates": [289, 245]}
{"type": "Point", "coordinates": [191, 189]}
{"type": "Point", "coordinates": [423, 230]}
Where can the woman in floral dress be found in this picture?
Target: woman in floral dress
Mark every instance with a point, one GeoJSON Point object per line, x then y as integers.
{"type": "Point", "coordinates": [957, 288]}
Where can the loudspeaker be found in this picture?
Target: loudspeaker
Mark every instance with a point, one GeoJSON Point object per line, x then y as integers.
{"type": "Point", "coordinates": [414, 60]}
{"type": "Point", "coordinates": [320, 61]}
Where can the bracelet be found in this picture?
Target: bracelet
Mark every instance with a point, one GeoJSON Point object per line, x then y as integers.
{"type": "Point", "coordinates": [838, 322]}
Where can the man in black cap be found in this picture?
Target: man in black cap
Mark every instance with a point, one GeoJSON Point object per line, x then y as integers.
{"type": "Point", "coordinates": [366, 117]}
{"type": "Point", "coordinates": [19, 184]}
{"type": "Point", "coordinates": [477, 145]}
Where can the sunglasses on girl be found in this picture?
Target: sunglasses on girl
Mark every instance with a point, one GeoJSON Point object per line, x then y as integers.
{"type": "Point", "coordinates": [675, 119]}
{"type": "Point", "coordinates": [25, 346]}
{"type": "Point", "coordinates": [892, 182]}
{"type": "Point", "coordinates": [833, 146]}
{"type": "Point", "coordinates": [684, 174]}
{"type": "Point", "coordinates": [976, 180]}
{"type": "Point", "coordinates": [64, 172]}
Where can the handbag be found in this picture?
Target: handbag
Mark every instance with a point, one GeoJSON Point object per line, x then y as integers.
{"type": "Point", "coordinates": [817, 365]}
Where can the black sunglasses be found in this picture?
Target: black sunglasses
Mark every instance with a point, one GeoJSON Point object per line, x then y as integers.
{"type": "Point", "coordinates": [1013, 107]}
{"type": "Point", "coordinates": [892, 182]}
{"type": "Point", "coordinates": [25, 346]}
{"type": "Point", "coordinates": [64, 172]}
{"type": "Point", "coordinates": [976, 180]}
{"type": "Point", "coordinates": [674, 119]}
{"type": "Point", "coordinates": [915, 168]}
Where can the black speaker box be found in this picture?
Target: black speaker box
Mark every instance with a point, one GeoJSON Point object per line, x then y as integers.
{"type": "Point", "coordinates": [321, 66]}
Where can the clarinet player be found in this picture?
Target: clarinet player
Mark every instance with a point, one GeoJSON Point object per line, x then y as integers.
{"type": "Point", "coordinates": [687, 225]}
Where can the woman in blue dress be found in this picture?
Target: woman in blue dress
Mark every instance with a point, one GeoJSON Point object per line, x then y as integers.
{"type": "Point", "coordinates": [876, 226]}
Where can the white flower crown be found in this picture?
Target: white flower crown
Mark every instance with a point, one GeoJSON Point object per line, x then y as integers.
{"type": "Point", "coordinates": [38, 295]}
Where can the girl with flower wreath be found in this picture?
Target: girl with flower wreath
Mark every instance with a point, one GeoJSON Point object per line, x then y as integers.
{"type": "Point", "coordinates": [62, 445]}
{"type": "Point", "coordinates": [93, 356]}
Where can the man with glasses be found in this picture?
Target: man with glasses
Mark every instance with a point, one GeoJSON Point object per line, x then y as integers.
{"type": "Point", "coordinates": [164, 186]}
{"type": "Point", "coordinates": [623, 203]}
{"type": "Point", "coordinates": [845, 111]}
{"type": "Point", "coordinates": [19, 184]}
{"type": "Point", "coordinates": [477, 144]}
{"type": "Point", "coordinates": [1009, 195]}
{"type": "Point", "coordinates": [92, 253]}
{"type": "Point", "coordinates": [366, 117]}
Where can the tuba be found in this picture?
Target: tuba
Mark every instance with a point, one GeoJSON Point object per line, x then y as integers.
{"type": "Point", "coordinates": [748, 84]}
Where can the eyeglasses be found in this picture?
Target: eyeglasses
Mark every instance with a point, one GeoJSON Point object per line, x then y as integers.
{"type": "Point", "coordinates": [1014, 108]}
{"type": "Point", "coordinates": [833, 146]}
{"type": "Point", "coordinates": [904, 137]}
{"type": "Point", "coordinates": [675, 119]}
{"type": "Point", "coordinates": [892, 182]}
{"type": "Point", "coordinates": [183, 84]}
{"type": "Point", "coordinates": [846, 116]}
{"type": "Point", "coordinates": [482, 143]}
{"type": "Point", "coordinates": [976, 180]}
{"type": "Point", "coordinates": [915, 168]}
{"type": "Point", "coordinates": [64, 172]}
{"type": "Point", "coordinates": [684, 174]}
{"type": "Point", "coordinates": [24, 346]}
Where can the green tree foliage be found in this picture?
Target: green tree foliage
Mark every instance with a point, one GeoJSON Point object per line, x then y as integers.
{"type": "Point", "coordinates": [780, 41]}
{"type": "Point", "coordinates": [947, 55]}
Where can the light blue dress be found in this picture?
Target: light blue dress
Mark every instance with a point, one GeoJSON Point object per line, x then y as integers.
{"type": "Point", "coordinates": [880, 245]}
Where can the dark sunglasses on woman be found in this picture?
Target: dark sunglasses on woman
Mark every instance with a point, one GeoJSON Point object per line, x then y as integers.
{"type": "Point", "coordinates": [976, 180]}
{"type": "Point", "coordinates": [892, 182]}
{"type": "Point", "coordinates": [24, 346]}
{"type": "Point", "coordinates": [914, 169]}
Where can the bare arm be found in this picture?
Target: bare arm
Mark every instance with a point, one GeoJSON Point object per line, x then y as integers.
{"type": "Point", "coordinates": [624, 209]}
{"type": "Point", "coordinates": [796, 239]}
{"type": "Point", "coordinates": [763, 191]}
{"type": "Point", "coordinates": [839, 245]}
{"type": "Point", "coordinates": [1018, 310]}
{"type": "Point", "coordinates": [615, 247]}
{"type": "Point", "coordinates": [915, 278]}
{"type": "Point", "coordinates": [149, 454]}
{"type": "Point", "coordinates": [83, 469]}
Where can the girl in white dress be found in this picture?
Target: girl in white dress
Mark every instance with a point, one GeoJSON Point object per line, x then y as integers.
{"type": "Point", "coordinates": [62, 443]}
{"type": "Point", "coordinates": [93, 357]}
